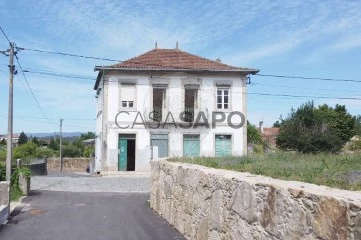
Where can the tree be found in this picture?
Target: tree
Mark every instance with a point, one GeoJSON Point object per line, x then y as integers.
{"type": "Point", "coordinates": [22, 138]}
{"type": "Point", "coordinates": [253, 135]}
{"type": "Point", "coordinates": [358, 125]}
{"type": "Point", "coordinates": [313, 130]}
{"type": "Point", "coordinates": [36, 141]}
{"type": "Point", "coordinates": [276, 124]}
{"type": "Point", "coordinates": [71, 151]}
{"type": "Point", "coordinates": [25, 151]}
{"type": "Point", "coordinates": [53, 145]}
{"type": "Point", "coordinates": [88, 135]}
{"type": "Point", "coordinates": [3, 142]}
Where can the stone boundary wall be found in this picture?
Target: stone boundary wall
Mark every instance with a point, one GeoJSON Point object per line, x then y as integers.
{"type": "Point", "coordinates": [69, 164]}
{"type": "Point", "coordinates": [4, 201]}
{"type": "Point", "coordinates": [206, 203]}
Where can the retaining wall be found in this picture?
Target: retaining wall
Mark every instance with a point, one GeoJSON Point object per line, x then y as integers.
{"type": "Point", "coordinates": [69, 164]}
{"type": "Point", "coordinates": [206, 203]}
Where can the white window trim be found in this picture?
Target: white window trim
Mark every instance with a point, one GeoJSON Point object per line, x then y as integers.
{"type": "Point", "coordinates": [134, 108]}
{"type": "Point", "coordinates": [223, 88]}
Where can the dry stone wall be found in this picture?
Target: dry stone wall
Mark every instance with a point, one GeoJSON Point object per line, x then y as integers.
{"type": "Point", "coordinates": [206, 203]}
{"type": "Point", "coordinates": [69, 164]}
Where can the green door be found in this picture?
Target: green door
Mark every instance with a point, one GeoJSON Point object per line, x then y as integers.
{"type": "Point", "coordinates": [122, 157]}
{"type": "Point", "coordinates": [223, 145]}
{"type": "Point", "coordinates": [191, 145]}
{"type": "Point", "coordinates": [161, 141]}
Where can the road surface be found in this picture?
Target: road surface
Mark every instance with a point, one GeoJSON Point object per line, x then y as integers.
{"type": "Point", "coordinates": [70, 206]}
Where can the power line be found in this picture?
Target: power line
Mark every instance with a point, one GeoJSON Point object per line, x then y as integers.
{"type": "Point", "coordinates": [308, 78]}
{"type": "Point", "coordinates": [60, 75]}
{"type": "Point", "coordinates": [4, 34]}
{"type": "Point", "coordinates": [70, 54]}
{"type": "Point", "coordinates": [292, 87]}
{"type": "Point", "coordinates": [31, 91]}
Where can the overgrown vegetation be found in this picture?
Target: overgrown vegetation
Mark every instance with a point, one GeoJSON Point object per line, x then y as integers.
{"type": "Point", "coordinates": [16, 192]}
{"type": "Point", "coordinates": [340, 171]}
{"type": "Point", "coordinates": [311, 129]}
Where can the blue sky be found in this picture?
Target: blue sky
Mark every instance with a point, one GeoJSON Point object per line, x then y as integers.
{"type": "Point", "coordinates": [302, 38]}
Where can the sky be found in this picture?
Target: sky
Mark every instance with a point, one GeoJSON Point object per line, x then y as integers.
{"type": "Point", "coordinates": [293, 38]}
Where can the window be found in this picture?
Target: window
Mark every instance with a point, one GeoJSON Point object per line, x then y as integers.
{"type": "Point", "coordinates": [127, 95]}
{"type": "Point", "coordinates": [222, 98]}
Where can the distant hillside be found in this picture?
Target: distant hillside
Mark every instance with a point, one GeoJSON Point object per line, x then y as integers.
{"type": "Point", "coordinates": [48, 135]}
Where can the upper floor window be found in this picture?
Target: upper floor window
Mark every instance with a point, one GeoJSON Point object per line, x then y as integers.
{"type": "Point", "coordinates": [127, 95]}
{"type": "Point", "coordinates": [223, 98]}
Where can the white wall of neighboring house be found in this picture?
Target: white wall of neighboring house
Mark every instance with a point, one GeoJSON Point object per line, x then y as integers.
{"type": "Point", "coordinates": [108, 106]}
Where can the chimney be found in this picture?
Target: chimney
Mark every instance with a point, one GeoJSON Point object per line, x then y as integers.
{"type": "Point", "coordinates": [218, 60]}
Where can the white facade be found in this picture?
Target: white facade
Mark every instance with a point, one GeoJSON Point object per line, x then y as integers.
{"type": "Point", "coordinates": [204, 86]}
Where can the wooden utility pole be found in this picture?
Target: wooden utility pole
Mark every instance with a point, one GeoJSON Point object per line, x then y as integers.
{"type": "Point", "coordinates": [9, 154]}
{"type": "Point", "coordinates": [60, 148]}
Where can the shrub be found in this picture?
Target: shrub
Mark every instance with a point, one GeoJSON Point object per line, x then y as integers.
{"type": "Point", "coordinates": [44, 152]}
{"type": "Point", "coordinates": [72, 151]}
{"type": "Point", "coordinates": [25, 151]}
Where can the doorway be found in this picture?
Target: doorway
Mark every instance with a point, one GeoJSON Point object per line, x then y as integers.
{"type": "Point", "coordinates": [126, 149]}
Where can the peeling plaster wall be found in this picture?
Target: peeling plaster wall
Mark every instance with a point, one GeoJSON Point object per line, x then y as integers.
{"type": "Point", "coordinates": [206, 203]}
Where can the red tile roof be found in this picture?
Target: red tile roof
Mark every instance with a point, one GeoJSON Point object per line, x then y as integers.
{"type": "Point", "coordinates": [174, 59]}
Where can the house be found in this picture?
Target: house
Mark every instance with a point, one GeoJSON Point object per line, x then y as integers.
{"type": "Point", "coordinates": [269, 135]}
{"type": "Point", "coordinates": [14, 140]}
{"type": "Point", "coordinates": [168, 103]}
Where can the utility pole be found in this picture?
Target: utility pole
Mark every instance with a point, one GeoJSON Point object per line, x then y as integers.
{"type": "Point", "coordinates": [9, 154]}
{"type": "Point", "coordinates": [60, 148]}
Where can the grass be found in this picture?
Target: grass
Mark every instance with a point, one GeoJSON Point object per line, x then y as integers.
{"type": "Point", "coordinates": [339, 171]}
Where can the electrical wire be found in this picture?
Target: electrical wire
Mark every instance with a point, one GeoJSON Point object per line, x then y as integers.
{"type": "Point", "coordinates": [31, 91]}
{"type": "Point", "coordinates": [5, 34]}
{"type": "Point", "coordinates": [308, 78]}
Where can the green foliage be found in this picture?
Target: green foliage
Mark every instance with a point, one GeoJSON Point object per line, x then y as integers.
{"type": "Point", "coordinates": [25, 151]}
{"type": "Point", "coordinates": [88, 151]}
{"type": "Point", "coordinates": [36, 141]}
{"type": "Point", "coordinates": [358, 125]}
{"type": "Point", "coordinates": [321, 169]}
{"type": "Point", "coordinates": [15, 185]}
{"type": "Point", "coordinates": [2, 156]}
{"type": "Point", "coordinates": [355, 145]}
{"type": "Point", "coordinates": [276, 124]}
{"type": "Point", "coordinates": [72, 151]}
{"type": "Point", "coordinates": [53, 145]}
{"type": "Point", "coordinates": [253, 135]}
{"type": "Point", "coordinates": [2, 171]}
{"type": "Point", "coordinates": [3, 142]}
{"type": "Point", "coordinates": [22, 138]}
{"type": "Point", "coordinates": [314, 130]}
{"type": "Point", "coordinates": [44, 152]}
{"type": "Point", "coordinates": [88, 135]}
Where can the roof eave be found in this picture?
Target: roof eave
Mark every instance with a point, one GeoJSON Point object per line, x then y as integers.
{"type": "Point", "coordinates": [102, 68]}
{"type": "Point", "coordinates": [250, 71]}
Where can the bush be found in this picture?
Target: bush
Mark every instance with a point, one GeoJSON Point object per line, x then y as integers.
{"type": "Point", "coordinates": [72, 151]}
{"type": "Point", "coordinates": [25, 151]}
{"type": "Point", "coordinates": [44, 153]}
{"type": "Point", "coordinates": [355, 145]}
{"type": "Point", "coordinates": [314, 130]}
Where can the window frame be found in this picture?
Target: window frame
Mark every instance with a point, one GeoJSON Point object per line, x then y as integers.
{"type": "Point", "coordinates": [223, 96]}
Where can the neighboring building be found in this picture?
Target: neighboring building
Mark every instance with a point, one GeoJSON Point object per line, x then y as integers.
{"type": "Point", "coordinates": [143, 102]}
{"type": "Point", "coordinates": [269, 135]}
{"type": "Point", "coordinates": [15, 138]}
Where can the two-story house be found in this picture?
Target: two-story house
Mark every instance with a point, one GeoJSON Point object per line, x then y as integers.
{"type": "Point", "coordinates": [168, 103]}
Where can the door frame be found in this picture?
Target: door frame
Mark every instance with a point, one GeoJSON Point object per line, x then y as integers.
{"type": "Point", "coordinates": [160, 133]}
{"type": "Point", "coordinates": [128, 136]}
{"type": "Point", "coordinates": [200, 145]}
{"type": "Point", "coordinates": [214, 142]}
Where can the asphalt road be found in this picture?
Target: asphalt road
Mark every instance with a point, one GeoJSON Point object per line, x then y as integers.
{"type": "Point", "coordinates": [59, 215]}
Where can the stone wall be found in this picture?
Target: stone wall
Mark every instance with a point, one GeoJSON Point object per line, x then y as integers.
{"type": "Point", "coordinates": [206, 203]}
{"type": "Point", "coordinates": [69, 164]}
{"type": "Point", "coordinates": [4, 201]}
